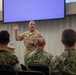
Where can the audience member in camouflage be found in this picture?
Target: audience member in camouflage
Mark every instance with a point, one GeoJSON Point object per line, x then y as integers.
{"type": "Point", "coordinates": [7, 58]}
{"type": "Point", "coordinates": [39, 57]}
{"type": "Point", "coordinates": [66, 62]}
{"type": "Point", "coordinates": [29, 38]}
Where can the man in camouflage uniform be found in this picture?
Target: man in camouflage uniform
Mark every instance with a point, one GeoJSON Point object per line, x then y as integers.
{"type": "Point", "coordinates": [29, 38]}
{"type": "Point", "coordinates": [66, 62]}
{"type": "Point", "coordinates": [7, 58]}
{"type": "Point", "coordinates": [39, 57]}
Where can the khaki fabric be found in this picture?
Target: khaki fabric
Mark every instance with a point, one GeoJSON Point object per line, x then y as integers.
{"type": "Point", "coordinates": [29, 36]}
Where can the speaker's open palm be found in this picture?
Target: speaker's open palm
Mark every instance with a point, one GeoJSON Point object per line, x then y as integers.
{"type": "Point", "coordinates": [15, 27]}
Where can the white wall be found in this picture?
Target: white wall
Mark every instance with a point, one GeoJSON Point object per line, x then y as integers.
{"type": "Point", "coordinates": [0, 10]}
{"type": "Point", "coordinates": [0, 5]}
{"type": "Point", "coordinates": [70, 8]}
{"type": "Point", "coordinates": [51, 30]}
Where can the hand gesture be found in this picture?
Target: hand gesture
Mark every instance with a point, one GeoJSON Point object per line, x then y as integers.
{"type": "Point", "coordinates": [29, 42]}
{"type": "Point", "coordinates": [15, 27]}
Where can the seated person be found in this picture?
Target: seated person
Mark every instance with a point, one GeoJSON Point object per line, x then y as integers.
{"type": "Point", "coordinates": [65, 63]}
{"type": "Point", "coordinates": [7, 58]}
{"type": "Point", "coordinates": [39, 57]}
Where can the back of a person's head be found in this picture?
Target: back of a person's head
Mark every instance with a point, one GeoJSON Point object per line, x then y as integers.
{"type": "Point", "coordinates": [40, 41]}
{"type": "Point", "coordinates": [4, 37]}
{"type": "Point", "coordinates": [69, 37]}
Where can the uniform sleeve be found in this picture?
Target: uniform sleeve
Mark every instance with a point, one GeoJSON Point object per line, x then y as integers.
{"type": "Point", "coordinates": [56, 65]}
{"type": "Point", "coordinates": [39, 34]}
{"type": "Point", "coordinates": [31, 55]}
{"type": "Point", "coordinates": [21, 36]}
{"type": "Point", "coordinates": [30, 58]}
{"type": "Point", "coordinates": [51, 56]}
{"type": "Point", "coordinates": [16, 66]}
{"type": "Point", "coordinates": [48, 58]}
{"type": "Point", "coordinates": [15, 63]}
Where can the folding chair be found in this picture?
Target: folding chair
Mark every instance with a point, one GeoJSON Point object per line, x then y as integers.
{"type": "Point", "coordinates": [30, 73]}
{"type": "Point", "coordinates": [43, 69]}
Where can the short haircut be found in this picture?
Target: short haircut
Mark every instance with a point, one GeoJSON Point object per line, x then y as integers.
{"type": "Point", "coordinates": [31, 22]}
{"type": "Point", "coordinates": [40, 41]}
{"type": "Point", "coordinates": [4, 37]}
{"type": "Point", "coordinates": [69, 37]}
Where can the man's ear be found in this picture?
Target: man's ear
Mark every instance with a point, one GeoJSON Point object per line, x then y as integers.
{"type": "Point", "coordinates": [62, 41]}
{"type": "Point", "coordinates": [45, 43]}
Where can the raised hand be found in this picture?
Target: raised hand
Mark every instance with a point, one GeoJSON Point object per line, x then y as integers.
{"type": "Point", "coordinates": [16, 27]}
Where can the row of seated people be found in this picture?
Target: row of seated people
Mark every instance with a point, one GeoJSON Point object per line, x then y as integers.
{"type": "Point", "coordinates": [43, 69]}
{"type": "Point", "coordinates": [65, 63]}
{"type": "Point", "coordinates": [39, 59]}
{"type": "Point", "coordinates": [9, 63]}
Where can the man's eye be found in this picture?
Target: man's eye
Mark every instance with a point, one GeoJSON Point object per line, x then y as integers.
{"type": "Point", "coordinates": [32, 24]}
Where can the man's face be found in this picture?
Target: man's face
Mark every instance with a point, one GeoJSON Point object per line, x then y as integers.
{"type": "Point", "coordinates": [32, 26]}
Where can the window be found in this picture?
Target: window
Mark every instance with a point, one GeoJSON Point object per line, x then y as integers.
{"type": "Point", "coordinates": [68, 1]}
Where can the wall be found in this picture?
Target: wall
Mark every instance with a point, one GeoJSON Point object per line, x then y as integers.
{"type": "Point", "coordinates": [0, 10]}
{"type": "Point", "coordinates": [0, 5]}
{"type": "Point", "coordinates": [51, 30]}
{"type": "Point", "coordinates": [70, 8]}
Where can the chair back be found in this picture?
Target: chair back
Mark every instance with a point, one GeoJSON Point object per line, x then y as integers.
{"type": "Point", "coordinates": [5, 69]}
{"type": "Point", "coordinates": [30, 73]}
{"type": "Point", "coordinates": [43, 69]}
{"type": "Point", "coordinates": [23, 67]}
{"type": "Point", "coordinates": [6, 72]}
{"type": "Point", "coordinates": [60, 73]}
